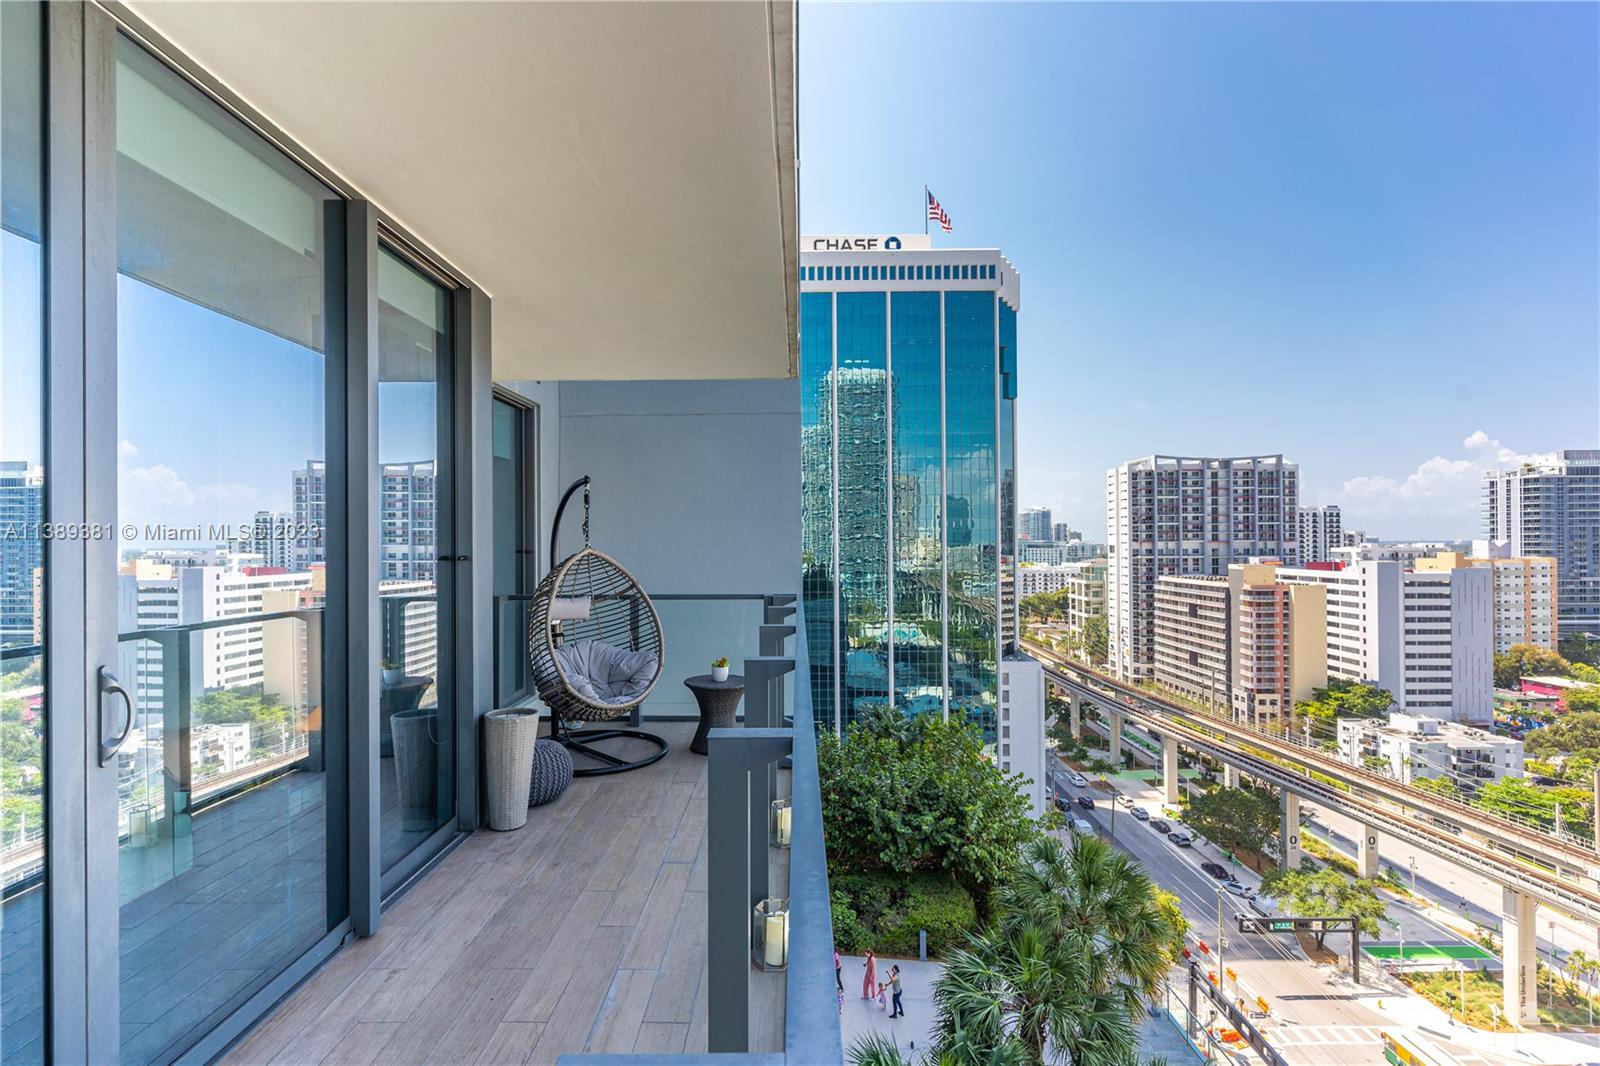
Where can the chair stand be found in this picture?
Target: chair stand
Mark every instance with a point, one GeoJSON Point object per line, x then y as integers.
{"type": "Point", "coordinates": [579, 741]}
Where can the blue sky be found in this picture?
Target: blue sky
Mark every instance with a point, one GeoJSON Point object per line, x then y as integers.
{"type": "Point", "coordinates": [1364, 235]}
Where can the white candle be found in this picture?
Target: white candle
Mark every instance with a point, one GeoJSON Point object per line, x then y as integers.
{"type": "Point", "coordinates": [783, 825]}
{"type": "Point", "coordinates": [777, 938]}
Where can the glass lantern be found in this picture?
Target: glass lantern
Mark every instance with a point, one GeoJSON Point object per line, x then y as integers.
{"type": "Point", "coordinates": [778, 824]}
{"type": "Point", "coordinates": [769, 934]}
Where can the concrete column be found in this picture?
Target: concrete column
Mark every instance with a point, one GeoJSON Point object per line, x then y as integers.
{"type": "Point", "coordinates": [1519, 943]}
{"type": "Point", "coordinates": [1289, 832]}
{"type": "Point", "coordinates": [1075, 715]}
{"type": "Point", "coordinates": [1116, 739]}
{"type": "Point", "coordinates": [1230, 776]}
{"type": "Point", "coordinates": [1367, 852]}
{"type": "Point", "coordinates": [1169, 767]}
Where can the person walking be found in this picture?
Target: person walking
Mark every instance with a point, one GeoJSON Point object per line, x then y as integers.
{"type": "Point", "coordinates": [838, 977]}
{"type": "Point", "coordinates": [869, 980]}
{"type": "Point", "coordinates": [894, 985]}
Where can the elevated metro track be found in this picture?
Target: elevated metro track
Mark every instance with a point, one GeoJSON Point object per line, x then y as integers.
{"type": "Point", "coordinates": [1555, 872]}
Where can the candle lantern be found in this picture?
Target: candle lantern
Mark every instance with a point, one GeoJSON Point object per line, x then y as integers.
{"type": "Point", "coordinates": [769, 934]}
{"type": "Point", "coordinates": [778, 824]}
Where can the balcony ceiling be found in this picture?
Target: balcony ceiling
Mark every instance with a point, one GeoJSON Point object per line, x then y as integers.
{"type": "Point", "coordinates": [619, 177]}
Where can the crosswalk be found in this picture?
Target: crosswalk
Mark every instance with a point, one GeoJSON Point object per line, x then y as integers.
{"type": "Point", "coordinates": [1286, 1036]}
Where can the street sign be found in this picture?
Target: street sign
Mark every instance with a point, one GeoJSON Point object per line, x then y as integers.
{"type": "Point", "coordinates": [1249, 923]}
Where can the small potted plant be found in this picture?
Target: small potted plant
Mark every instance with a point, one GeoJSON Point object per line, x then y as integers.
{"type": "Point", "coordinates": [394, 671]}
{"type": "Point", "coordinates": [719, 669]}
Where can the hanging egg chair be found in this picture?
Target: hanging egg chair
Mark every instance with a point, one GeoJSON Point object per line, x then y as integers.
{"type": "Point", "coordinates": [594, 650]}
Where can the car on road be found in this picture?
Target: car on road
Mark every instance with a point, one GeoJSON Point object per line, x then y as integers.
{"type": "Point", "coordinates": [1181, 837]}
{"type": "Point", "coordinates": [1160, 826]}
{"type": "Point", "coordinates": [1125, 802]}
{"type": "Point", "coordinates": [1063, 804]}
{"type": "Point", "coordinates": [1082, 827]}
{"type": "Point", "coordinates": [1238, 888]}
{"type": "Point", "coordinates": [1086, 802]}
{"type": "Point", "coordinates": [1217, 870]}
{"type": "Point", "coordinates": [1140, 814]}
{"type": "Point", "coordinates": [1078, 780]}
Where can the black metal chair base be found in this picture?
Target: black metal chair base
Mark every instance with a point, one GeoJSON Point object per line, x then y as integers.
{"type": "Point", "coordinates": [579, 742]}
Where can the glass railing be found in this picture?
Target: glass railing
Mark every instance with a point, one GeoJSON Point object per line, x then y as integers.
{"type": "Point", "coordinates": [219, 707]}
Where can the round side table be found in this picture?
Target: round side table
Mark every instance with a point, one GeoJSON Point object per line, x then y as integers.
{"type": "Point", "coordinates": [718, 700]}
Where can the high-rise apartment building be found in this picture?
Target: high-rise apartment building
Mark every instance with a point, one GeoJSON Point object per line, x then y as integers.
{"type": "Point", "coordinates": [1063, 532]}
{"type": "Point", "coordinates": [22, 557]}
{"type": "Point", "coordinates": [1524, 595]}
{"type": "Point", "coordinates": [1551, 507]}
{"type": "Point", "coordinates": [1060, 552]}
{"type": "Point", "coordinates": [908, 360]}
{"type": "Point", "coordinates": [407, 529]}
{"type": "Point", "coordinates": [1321, 529]}
{"type": "Point", "coordinates": [1411, 748]}
{"type": "Point", "coordinates": [1426, 636]}
{"type": "Point", "coordinates": [270, 535]}
{"type": "Point", "coordinates": [1033, 523]}
{"type": "Point", "coordinates": [1188, 516]}
{"type": "Point", "coordinates": [310, 496]}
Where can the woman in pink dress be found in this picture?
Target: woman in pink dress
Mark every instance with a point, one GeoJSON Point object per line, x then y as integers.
{"type": "Point", "coordinates": [869, 980]}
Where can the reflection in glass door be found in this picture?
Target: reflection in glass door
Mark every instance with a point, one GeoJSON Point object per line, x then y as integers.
{"type": "Point", "coordinates": [229, 319]}
{"type": "Point", "coordinates": [22, 546]}
{"type": "Point", "coordinates": [416, 725]}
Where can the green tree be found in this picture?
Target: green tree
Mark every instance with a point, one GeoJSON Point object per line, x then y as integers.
{"type": "Point", "coordinates": [1576, 731]}
{"type": "Point", "coordinates": [914, 794]}
{"type": "Point", "coordinates": [1585, 698]}
{"type": "Point", "coordinates": [1513, 797]}
{"type": "Point", "coordinates": [1439, 786]}
{"type": "Point", "coordinates": [1234, 817]}
{"type": "Point", "coordinates": [1080, 940]}
{"type": "Point", "coordinates": [1096, 639]}
{"type": "Point", "coordinates": [1327, 893]}
{"type": "Point", "coordinates": [1527, 660]}
{"type": "Point", "coordinates": [1345, 699]}
{"type": "Point", "coordinates": [1581, 648]}
{"type": "Point", "coordinates": [269, 720]}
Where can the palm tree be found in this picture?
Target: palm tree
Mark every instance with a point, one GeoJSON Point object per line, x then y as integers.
{"type": "Point", "coordinates": [1078, 944]}
{"type": "Point", "coordinates": [1580, 964]}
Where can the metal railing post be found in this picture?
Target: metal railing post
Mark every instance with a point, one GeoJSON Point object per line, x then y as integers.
{"type": "Point", "coordinates": [176, 756]}
{"type": "Point", "coordinates": [735, 757]}
{"type": "Point", "coordinates": [762, 675]}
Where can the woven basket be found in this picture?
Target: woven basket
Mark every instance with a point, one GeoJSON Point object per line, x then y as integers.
{"type": "Point", "coordinates": [509, 737]}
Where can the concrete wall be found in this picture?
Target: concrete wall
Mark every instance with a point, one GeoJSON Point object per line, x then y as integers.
{"type": "Point", "coordinates": [696, 484]}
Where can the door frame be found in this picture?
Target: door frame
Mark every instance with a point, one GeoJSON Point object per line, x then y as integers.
{"type": "Point", "coordinates": [528, 416]}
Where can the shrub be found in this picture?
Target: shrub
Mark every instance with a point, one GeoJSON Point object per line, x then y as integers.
{"type": "Point", "coordinates": [885, 911]}
{"type": "Point", "coordinates": [849, 936]}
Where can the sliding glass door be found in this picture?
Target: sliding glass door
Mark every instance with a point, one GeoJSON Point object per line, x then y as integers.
{"type": "Point", "coordinates": [24, 572]}
{"type": "Point", "coordinates": [416, 562]}
{"type": "Point", "coordinates": [230, 816]}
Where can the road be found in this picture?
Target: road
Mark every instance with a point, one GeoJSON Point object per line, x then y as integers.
{"type": "Point", "coordinates": [1317, 1018]}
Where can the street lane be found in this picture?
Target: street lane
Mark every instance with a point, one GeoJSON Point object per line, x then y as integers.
{"type": "Point", "coordinates": [1302, 997]}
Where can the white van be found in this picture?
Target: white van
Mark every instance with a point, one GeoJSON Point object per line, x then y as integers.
{"type": "Point", "coordinates": [1080, 825]}
{"type": "Point", "coordinates": [1265, 906]}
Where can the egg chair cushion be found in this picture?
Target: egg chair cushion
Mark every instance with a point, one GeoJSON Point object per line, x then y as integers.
{"type": "Point", "coordinates": [604, 674]}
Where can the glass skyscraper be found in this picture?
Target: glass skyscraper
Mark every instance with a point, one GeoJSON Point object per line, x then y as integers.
{"type": "Point", "coordinates": [908, 359]}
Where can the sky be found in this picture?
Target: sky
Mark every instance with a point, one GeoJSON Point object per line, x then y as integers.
{"type": "Point", "coordinates": [1364, 236]}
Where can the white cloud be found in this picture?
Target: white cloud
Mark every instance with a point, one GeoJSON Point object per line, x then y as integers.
{"type": "Point", "coordinates": [1440, 498]}
{"type": "Point", "coordinates": [157, 485]}
{"type": "Point", "coordinates": [127, 449]}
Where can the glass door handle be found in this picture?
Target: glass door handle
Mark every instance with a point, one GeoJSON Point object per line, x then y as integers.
{"type": "Point", "coordinates": [109, 685]}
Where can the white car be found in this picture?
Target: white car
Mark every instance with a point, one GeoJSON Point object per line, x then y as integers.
{"type": "Point", "coordinates": [1078, 780]}
{"type": "Point", "coordinates": [1079, 825]}
{"type": "Point", "coordinates": [1243, 891]}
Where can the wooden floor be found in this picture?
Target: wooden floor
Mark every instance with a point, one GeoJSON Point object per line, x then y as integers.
{"type": "Point", "coordinates": [583, 931]}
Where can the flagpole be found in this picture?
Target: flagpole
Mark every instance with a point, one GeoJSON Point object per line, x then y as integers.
{"type": "Point", "coordinates": [925, 195]}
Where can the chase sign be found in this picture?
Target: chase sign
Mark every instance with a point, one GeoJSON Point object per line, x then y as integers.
{"type": "Point", "coordinates": [882, 243]}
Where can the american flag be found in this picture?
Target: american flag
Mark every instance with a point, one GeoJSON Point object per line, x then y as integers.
{"type": "Point", "coordinates": [937, 213]}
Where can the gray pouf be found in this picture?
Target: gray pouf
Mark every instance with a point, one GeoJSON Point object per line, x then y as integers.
{"type": "Point", "coordinates": [552, 772]}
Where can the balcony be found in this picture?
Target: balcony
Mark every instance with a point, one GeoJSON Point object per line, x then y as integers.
{"type": "Point", "coordinates": [616, 923]}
